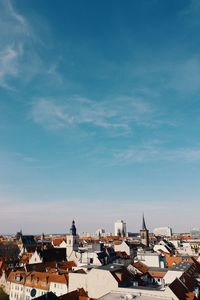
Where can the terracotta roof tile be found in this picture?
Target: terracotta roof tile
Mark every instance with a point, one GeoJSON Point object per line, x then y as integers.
{"type": "Point", "coordinates": [79, 294]}
{"type": "Point", "coordinates": [140, 266]}
{"type": "Point", "coordinates": [38, 280]}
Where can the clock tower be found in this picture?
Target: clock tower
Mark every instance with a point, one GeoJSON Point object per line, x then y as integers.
{"type": "Point", "coordinates": [72, 241]}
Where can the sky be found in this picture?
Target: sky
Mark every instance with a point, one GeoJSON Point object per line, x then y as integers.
{"type": "Point", "coordinates": [99, 114]}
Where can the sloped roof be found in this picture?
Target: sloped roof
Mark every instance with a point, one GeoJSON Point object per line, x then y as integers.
{"type": "Point", "coordinates": [28, 240]}
{"type": "Point", "coordinates": [38, 280]}
{"type": "Point", "coordinates": [41, 267]}
{"type": "Point", "coordinates": [52, 254]}
{"type": "Point", "coordinates": [47, 296]}
{"type": "Point", "coordinates": [81, 271]}
{"type": "Point", "coordinates": [75, 295]}
{"type": "Point", "coordinates": [141, 267]}
{"type": "Point", "coordinates": [58, 241]}
{"type": "Point", "coordinates": [183, 287]}
{"type": "Point", "coordinates": [66, 264]}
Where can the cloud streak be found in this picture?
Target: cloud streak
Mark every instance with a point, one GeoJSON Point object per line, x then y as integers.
{"type": "Point", "coordinates": [14, 31]}
{"type": "Point", "coordinates": [19, 61]}
{"type": "Point", "coordinates": [151, 153]}
{"type": "Point", "coordinates": [117, 114]}
{"type": "Point", "coordinates": [9, 64]}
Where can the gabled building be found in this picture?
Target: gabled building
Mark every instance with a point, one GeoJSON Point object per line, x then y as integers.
{"type": "Point", "coordinates": [29, 285]}
{"type": "Point", "coordinates": [48, 255]}
{"type": "Point", "coordinates": [151, 259]}
{"type": "Point", "coordinates": [101, 280]}
{"type": "Point", "coordinates": [186, 287]}
{"type": "Point", "coordinates": [26, 243]}
{"type": "Point", "coordinates": [129, 248]}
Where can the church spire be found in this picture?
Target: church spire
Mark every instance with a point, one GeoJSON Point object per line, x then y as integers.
{"type": "Point", "coordinates": [73, 229]}
{"type": "Point", "coordinates": [143, 223]}
{"type": "Point", "coordinates": [144, 233]}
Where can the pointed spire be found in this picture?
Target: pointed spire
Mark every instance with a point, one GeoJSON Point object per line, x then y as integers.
{"type": "Point", "coordinates": [143, 223]}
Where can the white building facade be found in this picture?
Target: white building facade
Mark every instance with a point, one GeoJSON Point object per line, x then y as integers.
{"type": "Point", "coordinates": [120, 228]}
{"type": "Point", "coordinates": [163, 231]}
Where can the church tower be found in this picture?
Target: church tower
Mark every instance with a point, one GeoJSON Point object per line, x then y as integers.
{"type": "Point", "coordinates": [144, 233]}
{"type": "Point", "coordinates": [72, 241]}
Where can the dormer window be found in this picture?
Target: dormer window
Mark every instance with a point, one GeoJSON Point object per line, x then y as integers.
{"type": "Point", "coordinates": [18, 278]}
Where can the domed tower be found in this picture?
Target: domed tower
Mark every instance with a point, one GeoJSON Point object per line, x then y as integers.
{"type": "Point", "coordinates": [144, 233]}
{"type": "Point", "coordinates": [72, 241]}
{"type": "Point", "coordinates": [73, 228]}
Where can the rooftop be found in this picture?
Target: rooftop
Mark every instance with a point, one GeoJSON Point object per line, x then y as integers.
{"type": "Point", "coordinates": [182, 266]}
{"type": "Point", "coordinates": [129, 296]}
{"type": "Point", "coordinates": [111, 267]}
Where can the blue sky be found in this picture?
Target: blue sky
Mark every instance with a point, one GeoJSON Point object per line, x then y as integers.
{"type": "Point", "coordinates": [99, 114]}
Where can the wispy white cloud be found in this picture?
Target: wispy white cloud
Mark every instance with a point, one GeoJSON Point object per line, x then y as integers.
{"type": "Point", "coordinates": [13, 25]}
{"type": "Point", "coordinates": [15, 15]}
{"type": "Point", "coordinates": [14, 31]}
{"type": "Point", "coordinates": [53, 72]}
{"type": "Point", "coordinates": [153, 153]}
{"type": "Point", "coordinates": [9, 64]}
{"type": "Point", "coordinates": [18, 40]}
{"type": "Point", "coordinates": [118, 114]}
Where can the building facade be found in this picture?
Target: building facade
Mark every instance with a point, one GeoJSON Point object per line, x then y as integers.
{"type": "Point", "coordinates": [120, 228]}
{"type": "Point", "coordinates": [163, 231]}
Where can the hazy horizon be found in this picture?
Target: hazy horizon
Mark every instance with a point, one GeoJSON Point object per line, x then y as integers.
{"type": "Point", "coordinates": [99, 104]}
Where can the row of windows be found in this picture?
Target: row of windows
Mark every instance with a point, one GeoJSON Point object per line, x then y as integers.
{"type": "Point", "coordinates": [16, 296]}
{"type": "Point", "coordinates": [58, 285]}
{"type": "Point", "coordinates": [17, 287]}
{"type": "Point", "coordinates": [21, 296]}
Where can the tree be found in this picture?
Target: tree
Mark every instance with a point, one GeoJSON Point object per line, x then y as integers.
{"type": "Point", "coordinates": [3, 295]}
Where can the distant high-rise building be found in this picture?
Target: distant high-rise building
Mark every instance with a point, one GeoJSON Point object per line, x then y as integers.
{"type": "Point", "coordinates": [144, 233]}
{"type": "Point", "coordinates": [120, 228]}
{"type": "Point", "coordinates": [100, 232]}
{"type": "Point", "coordinates": [163, 231]}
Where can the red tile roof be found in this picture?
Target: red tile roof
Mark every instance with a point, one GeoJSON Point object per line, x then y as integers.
{"type": "Point", "coordinates": [79, 294]}
{"type": "Point", "coordinates": [38, 280]}
{"type": "Point", "coordinates": [140, 266]}
{"type": "Point", "coordinates": [184, 286]}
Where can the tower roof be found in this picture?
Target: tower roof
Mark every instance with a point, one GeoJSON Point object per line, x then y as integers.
{"type": "Point", "coordinates": [73, 228]}
{"type": "Point", "coordinates": [143, 223]}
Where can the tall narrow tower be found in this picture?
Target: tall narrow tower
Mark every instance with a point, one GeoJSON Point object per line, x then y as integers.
{"type": "Point", "coordinates": [144, 233]}
{"type": "Point", "coordinates": [72, 240]}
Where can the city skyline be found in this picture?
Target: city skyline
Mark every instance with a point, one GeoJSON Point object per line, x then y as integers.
{"type": "Point", "coordinates": [99, 106]}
